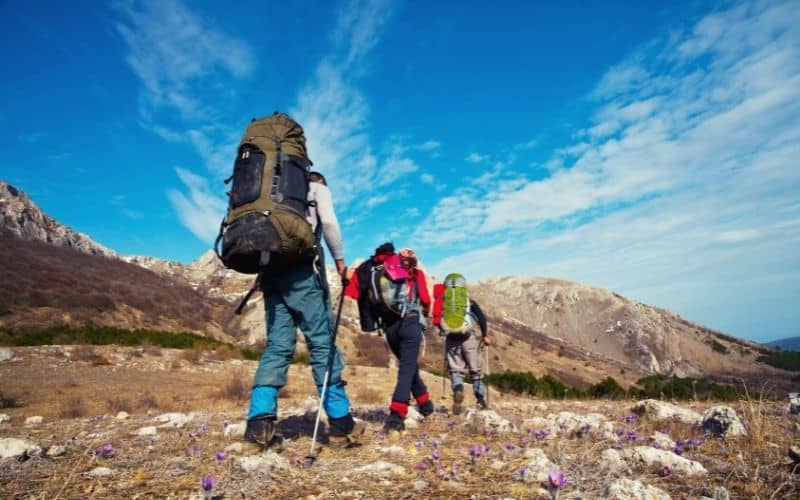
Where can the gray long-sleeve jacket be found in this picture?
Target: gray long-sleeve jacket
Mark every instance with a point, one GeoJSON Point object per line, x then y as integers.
{"type": "Point", "coordinates": [321, 195]}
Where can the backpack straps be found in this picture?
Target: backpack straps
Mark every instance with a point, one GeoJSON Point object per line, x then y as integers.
{"type": "Point", "coordinates": [256, 285]}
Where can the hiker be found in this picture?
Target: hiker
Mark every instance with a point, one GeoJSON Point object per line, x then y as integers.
{"type": "Point", "coordinates": [458, 317]}
{"type": "Point", "coordinates": [298, 297]}
{"type": "Point", "coordinates": [400, 313]}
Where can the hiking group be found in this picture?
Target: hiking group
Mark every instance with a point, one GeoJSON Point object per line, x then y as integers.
{"type": "Point", "coordinates": [278, 213]}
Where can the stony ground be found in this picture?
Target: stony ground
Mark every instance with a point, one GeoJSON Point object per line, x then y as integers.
{"type": "Point", "coordinates": [129, 423]}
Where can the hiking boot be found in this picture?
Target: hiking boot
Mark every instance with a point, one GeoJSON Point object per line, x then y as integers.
{"type": "Point", "coordinates": [426, 409]}
{"type": "Point", "coordinates": [458, 399]}
{"type": "Point", "coordinates": [482, 405]}
{"type": "Point", "coordinates": [260, 430]}
{"type": "Point", "coordinates": [350, 440]}
{"type": "Point", "coordinates": [394, 426]}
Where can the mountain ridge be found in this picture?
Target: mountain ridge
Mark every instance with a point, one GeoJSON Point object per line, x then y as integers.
{"type": "Point", "coordinates": [542, 325]}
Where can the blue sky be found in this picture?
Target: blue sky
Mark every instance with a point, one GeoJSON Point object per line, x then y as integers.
{"type": "Point", "coordinates": [651, 149]}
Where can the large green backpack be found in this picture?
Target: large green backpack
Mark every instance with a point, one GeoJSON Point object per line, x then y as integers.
{"type": "Point", "coordinates": [266, 227]}
{"type": "Point", "coordinates": [456, 317]}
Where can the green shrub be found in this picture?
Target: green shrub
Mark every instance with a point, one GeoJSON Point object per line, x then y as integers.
{"type": "Point", "coordinates": [105, 335]}
{"type": "Point", "coordinates": [786, 360]}
{"type": "Point", "coordinates": [719, 347]}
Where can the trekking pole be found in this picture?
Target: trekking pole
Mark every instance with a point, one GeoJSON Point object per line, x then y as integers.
{"type": "Point", "coordinates": [488, 372]}
{"type": "Point", "coordinates": [311, 455]}
{"type": "Point", "coordinates": [444, 367]}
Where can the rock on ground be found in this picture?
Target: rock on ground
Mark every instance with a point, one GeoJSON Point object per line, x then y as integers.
{"type": "Point", "coordinates": [381, 469]}
{"type": "Point", "coordinates": [6, 354]}
{"type": "Point", "coordinates": [33, 420]}
{"type": "Point", "coordinates": [235, 430]}
{"type": "Point", "coordinates": [629, 489]}
{"type": "Point", "coordinates": [483, 421]}
{"type": "Point", "coordinates": [264, 463]}
{"type": "Point", "coordinates": [539, 466]}
{"type": "Point", "coordinates": [723, 421]}
{"type": "Point", "coordinates": [13, 447]}
{"type": "Point", "coordinates": [611, 460]}
{"type": "Point", "coordinates": [4, 419]}
{"type": "Point", "coordinates": [649, 457]}
{"type": "Point", "coordinates": [656, 410]}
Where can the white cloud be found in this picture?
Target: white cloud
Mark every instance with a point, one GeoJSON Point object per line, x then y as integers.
{"type": "Point", "coordinates": [180, 59]}
{"type": "Point", "coordinates": [428, 145]}
{"type": "Point", "coordinates": [335, 113]}
{"type": "Point", "coordinates": [477, 158]}
{"type": "Point", "coordinates": [200, 210]}
{"type": "Point", "coordinates": [687, 178]}
{"type": "Point", "coordinates": [427, 179]}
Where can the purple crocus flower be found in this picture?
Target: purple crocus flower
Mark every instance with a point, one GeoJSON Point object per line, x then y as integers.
{"type": "Point", "coordinates": [678, 450]}
{"type": "Point", "coordinates": [620, 431]}
{"type": "Point", "coordinates": [208, 482]}
{"type": "Point", "coordinates": [423, 464]}
{"type": "Point", "coordinates": [556, 479]}
{"type": "Point", "coordinates": [436, 455]}
{"type": "Point", "coordinates": [104, 451]}
{"type": "Point", "coordinates": [664, 471]}
{"type": "Point", "coordinates": [219, 455]}
{"type": "Point", "coordinates": [509, 447]}
{"type": "Point", "coordinates": [630, 418]}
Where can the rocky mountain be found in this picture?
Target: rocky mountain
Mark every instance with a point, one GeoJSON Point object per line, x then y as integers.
{"type": "Point", "coordinates": [577, 333]}
{"type": "Point", "coordinates": [21, 218]}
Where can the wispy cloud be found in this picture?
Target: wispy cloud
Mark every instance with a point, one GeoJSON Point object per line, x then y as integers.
{"type": "Point", "coordinates": [477, 158]}
{"type": "Point", "coordinates": [181, 59]}
{"type": "Point", "coordinates": [199, 210]}
{"type": "Point", "coordinates": [335, 113]}
{"type": "Point", "coordinates": [688, 173]}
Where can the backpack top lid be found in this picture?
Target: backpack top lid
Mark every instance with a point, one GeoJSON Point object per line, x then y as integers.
{"type": "Point", "coordinates": [455, 280]}
{"type": "Point", "coordinates": [394, 268]}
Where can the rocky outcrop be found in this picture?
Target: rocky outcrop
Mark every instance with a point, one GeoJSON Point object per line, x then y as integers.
{"type": "Point", "coordinates": [21, 218]}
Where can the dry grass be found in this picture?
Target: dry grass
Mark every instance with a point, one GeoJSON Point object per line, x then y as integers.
{"type": "Point", "coordinates": [237, 388]}
{"type": "Point", "coordinates": [171, 465]}
{"type": "Point", "coordinates": [72, 407]}
{"type": "Point", "coordinates": [193, 355]}
{"type": "Point", "coordinates": [118, 404]}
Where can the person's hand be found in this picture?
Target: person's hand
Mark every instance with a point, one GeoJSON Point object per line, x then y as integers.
{"type": "Point", "coordinates": [487, 340]}
{"type": "Point", "coordinates": [342, 270]}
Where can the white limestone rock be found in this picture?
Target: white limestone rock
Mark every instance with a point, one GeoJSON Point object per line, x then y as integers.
{"type": "Point", "coordinates": [14, 447]}
{"type": "Point", "coordinates": [146, 431]}
{"type": "Point", "coordinates": [100, 472]}
{"type": "Point", "coordinates": [264, 463]}
{"type": "Point", "coordinates": [723, 421]}
{"type": "Point", "coordinates": [487, 421]}
{"type": "Point", "coordinates": [655, 410]}
{"type": "Point", "coordinates": [6, 354]}
{"type": "Point", "coordinates": [35, 420]}
{"type": "Point", "coordinates": [650, 457]}
{"type": "Point", "coordinates": [630, 489]}
{"type": "Point", "coordinates": [235, 430]}
{"type": "Point", "coordinates": [380, 469]}
{"type": "Point", "coordinates": [174, 419]}
{"type": "Point", "coordinates": [538, 466]}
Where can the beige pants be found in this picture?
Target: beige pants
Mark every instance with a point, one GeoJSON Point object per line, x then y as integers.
{"type": "Point", "coordinates": [463, 354]}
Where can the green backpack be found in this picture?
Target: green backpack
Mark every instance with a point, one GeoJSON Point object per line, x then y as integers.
{"type": "Point", "coordinates": [266, 227]}
{"type": "Point", "coordinates": [456, 317]}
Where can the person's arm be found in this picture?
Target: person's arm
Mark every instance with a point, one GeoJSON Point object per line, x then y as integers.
{"type": "Point", "coordinates": [424, 298]}
{"type": "Point", "coordinates": [330, 225]}
{"type": "Point", "coordinates": [475, 309]}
